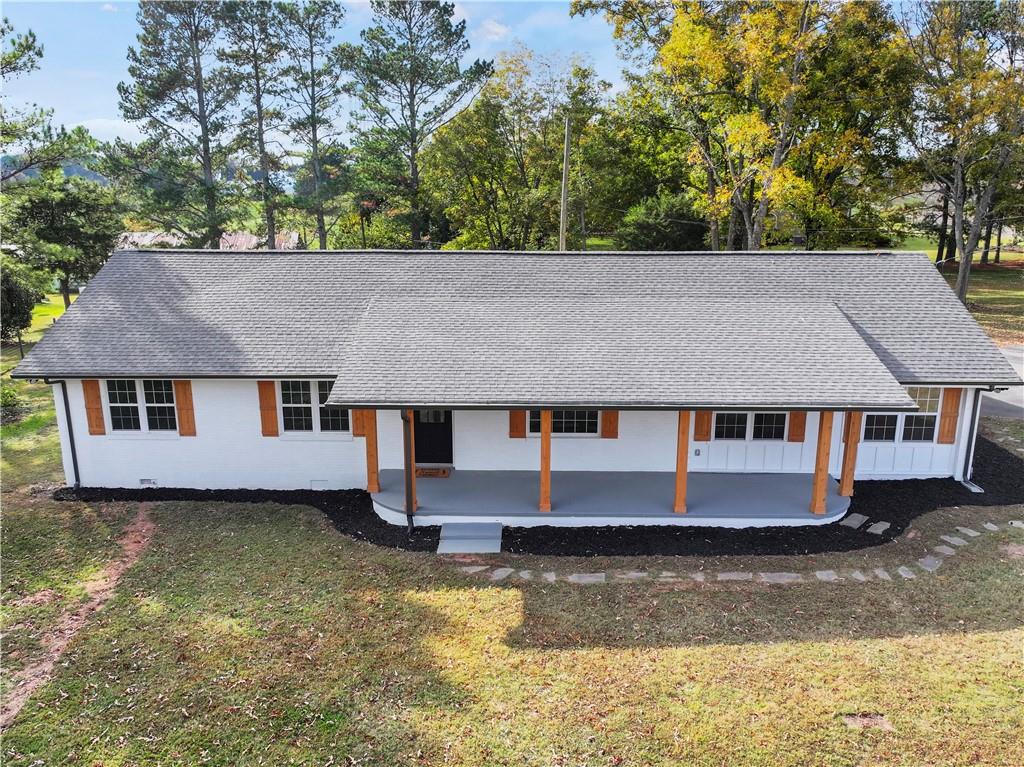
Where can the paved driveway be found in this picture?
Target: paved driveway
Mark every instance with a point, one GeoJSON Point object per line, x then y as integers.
{"type": "Point", "coordinates": [1009, 403]}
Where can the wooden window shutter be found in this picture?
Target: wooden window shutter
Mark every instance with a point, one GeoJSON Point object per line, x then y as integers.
{"type": "Point", "coordinates": [93, 406]}
{"type": "Point", "coordinates": [358, 423]}
{"type": "Point", "coordinates": [702, 426]}
{"type": "Point", "coordinates": [186, 412]}
{"type": "Point", "coordinates": [609, 424]}
{"type": "Point", "coordinates": [797, 426]}
{"type": "Point", "coordinates": [268, 407]}
{"type": "Point", "coordinates": [949, 416]}
{"type": "Point", "coordinates": [517, 424]}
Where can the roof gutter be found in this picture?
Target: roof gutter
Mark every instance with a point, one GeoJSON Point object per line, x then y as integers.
{"type": "Point", "coordinates": [71, 428]}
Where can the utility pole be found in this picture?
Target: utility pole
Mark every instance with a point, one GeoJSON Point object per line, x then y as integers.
{"type": "Point", "coordinates": [564, 218]}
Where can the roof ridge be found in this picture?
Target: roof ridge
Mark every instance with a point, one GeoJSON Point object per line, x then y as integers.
{"type": "Point", "coordinates": [573, 253]}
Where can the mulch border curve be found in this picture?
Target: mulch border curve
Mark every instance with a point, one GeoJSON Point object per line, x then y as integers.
{"type": "Point", "coordinates": [899, 502]}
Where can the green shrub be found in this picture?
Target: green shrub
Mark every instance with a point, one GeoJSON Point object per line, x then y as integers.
{"type": "Point", "coordinates": [9, 397]}
{"type": "Point", "coordinates": [661, 223]}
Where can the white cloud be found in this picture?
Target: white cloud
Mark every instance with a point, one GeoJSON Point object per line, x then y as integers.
{"type": "Point", "coordinates": [492, 29]}
{"type": "Point", "coordinates": [108, 8]}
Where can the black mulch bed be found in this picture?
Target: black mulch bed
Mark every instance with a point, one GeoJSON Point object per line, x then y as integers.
{"type": "Point", "coordinates": [350, 511]}
{"type": "Point", "coordinates": [898, 502]}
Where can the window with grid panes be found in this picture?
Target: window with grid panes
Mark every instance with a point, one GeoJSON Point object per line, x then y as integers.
{"type": "Point", "coordinates": [879, 427]}
{"type": "Point", "coordinates": [567, 421]}
{"type": "Point", "coordinates": [296, 406]}
{"type": "Point", "coordinates": [730, 425]}
{"type": "Point", "coordinates": [769, 426]}
{"type": "Point", "coordinates": [123, 399]}
{"type": "Point", "coordinates": [332, 417]}
{"type": "Point", "coordinates": [159, 398]}
{"type": "Point", "coordinates": [920, 427]}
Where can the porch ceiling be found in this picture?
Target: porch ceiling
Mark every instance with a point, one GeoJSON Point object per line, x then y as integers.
{"type": "Point", "coordinates": [409, 352]}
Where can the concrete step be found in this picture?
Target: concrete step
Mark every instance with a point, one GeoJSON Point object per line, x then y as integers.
{"type": "Point", "coordinates": [470, 538]}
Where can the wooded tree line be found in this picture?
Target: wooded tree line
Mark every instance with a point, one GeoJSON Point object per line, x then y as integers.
{"type": "Point", "coordinates": [741, 125]}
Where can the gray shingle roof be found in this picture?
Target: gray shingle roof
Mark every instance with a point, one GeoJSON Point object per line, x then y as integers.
{"type": "Point", "coordinates": [217, 313]}
{"type": "Point", "coordinates": [612, 352]}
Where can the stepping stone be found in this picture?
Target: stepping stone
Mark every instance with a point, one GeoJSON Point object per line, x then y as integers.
{"type": "Point", "coordinates": [502, 573]}
{"type": "Point", "coordinates": [735, 576]}
{"type": "Point", "coordinates": [1016, 523]}
{"type": "Point", "coordinates": [632, 576]}
{"type": "Point", "coordinates": [906, 572]}
{"type": "Point", "coordinates": [946, 550]}
{"type": "Point", "coordinates": [929, 563]}
{"type": "Point", "coordinates": [526, 575]}
{"type": "Point", "coordinates": [990, 526]}
{"type": "Point", "coordinates": [473, 568]}
{"type": "Point", "coordinates": [968, 532]}
{"type": "Point", "coordinates": [882, 574]}
{"type": "Point", "coordinates": [854, 520]}
{"type": "Point", "coordinates": [586, 578]}
{"type": "Point", "coordinates": [549, 577]}
{"type": "Point", "coordinates": [955, 540]}
{"type": "Point", "coordinates": [878, 528]}
{"type": "Point", "coordinates": [667, 574]}
{"type": "Point", "coordinates": [699, 577]}
{"type": "Point", "coordinates": [829, 576]}
{"type": "Point", "coordinates": [781, 578]}
{"type": "Point", "coordinates": [470, 538]}
{"type": "Point", "coordinates": [857, 575]}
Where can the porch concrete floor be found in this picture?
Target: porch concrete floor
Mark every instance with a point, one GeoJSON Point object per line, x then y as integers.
{"type": "Point", "coordinates": [585, 498]}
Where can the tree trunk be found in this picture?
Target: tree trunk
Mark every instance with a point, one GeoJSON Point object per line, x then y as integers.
{"type": "Point", "coordinates": [65, 291]}
{"type": "Point", "coordinates": [415, 224]}
{"type": "Point", "coordinates": [943, 232]}
{"type": "Point", "coordinates": [261, 140]}
{"type": "Point", "coordinates": [21, 346]}
{"type": "Point", "coordinates": [988, 241]}
{"type": "Point", "coordinates": [999, 241]}
{"type": "Point", "coordinates": [213, 228]}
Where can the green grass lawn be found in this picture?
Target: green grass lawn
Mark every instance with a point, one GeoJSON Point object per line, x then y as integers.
{"type": "Point", "coordinates": [257, 634]}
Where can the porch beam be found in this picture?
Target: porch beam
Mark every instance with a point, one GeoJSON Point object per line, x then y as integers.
{"type": "Point", "coordinates": [545, 461]}
{"type": "Point", "coordinates": [851, 439]}
{"type": "Point", "coordinates": [369, 423]}
{"type": "Point", "coordinates": [409, 452]}
{"type": "Point", "coordinates": [682, 459]}
{"type": "Point", "coordinates": [819, 485]}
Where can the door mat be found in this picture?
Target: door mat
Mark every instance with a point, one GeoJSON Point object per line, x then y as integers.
{"type": "Point", "coordinates": [431, 472]}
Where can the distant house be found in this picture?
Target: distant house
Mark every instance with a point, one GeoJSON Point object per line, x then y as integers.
{"type": "Point", "coordinates": [228, 241]}
{"type": "Point", "coordinates": [523, 388]}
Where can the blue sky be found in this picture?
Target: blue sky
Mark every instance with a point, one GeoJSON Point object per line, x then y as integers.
{"type": "Point", "coordinates": [85, 45]}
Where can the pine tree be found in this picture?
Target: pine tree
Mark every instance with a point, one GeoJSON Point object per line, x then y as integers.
{"type": "Point", "coordinates": [182, 99]}
{"type": "Point", "coordinates": [409, 81]}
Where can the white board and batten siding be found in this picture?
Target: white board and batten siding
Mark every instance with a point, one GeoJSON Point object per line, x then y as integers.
{"type": "Point", "coordinates": [229, 450]}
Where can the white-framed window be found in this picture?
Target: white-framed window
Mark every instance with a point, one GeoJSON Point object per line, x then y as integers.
{"type": "Point", "coordinates": [141, 406]}
{"type": "Point", "coordinates": [907, 427]}
{"type": "Point", "coordinates": [568, 421]}
{"type": "Point", "coordinates": [759, 426]}
{"type": "Point", "coordinates": [302, 415]}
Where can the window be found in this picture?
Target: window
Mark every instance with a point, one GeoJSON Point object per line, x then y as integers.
{"type": "Point", "coordinates": [921, 427]}
{"type": "Point", "coordinates": [159, 396]}
{"type": "Point", "coordinates": [296, 406]}
{"type": "Point", "coordinates": [567, 422]}
{"type": "Point", "coordinates": [123, 398]}
{"type": "Point", "coordinates": [332, 417]}
{"type": "Point", "coordinates": [730, 425]}
{"type": "Point", "coordinates": [880, 428]}
{"type": "Point", "coordinates": [769, 425]}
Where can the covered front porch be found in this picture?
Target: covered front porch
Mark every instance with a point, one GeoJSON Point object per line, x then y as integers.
{"type": "Point", "coordinates": [592, 498]}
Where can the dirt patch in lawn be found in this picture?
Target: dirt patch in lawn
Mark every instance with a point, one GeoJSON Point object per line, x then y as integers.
{"type": "Point", "coordinates": [868, 721]}
{"type": "Point", "coordinates": [133, 542]}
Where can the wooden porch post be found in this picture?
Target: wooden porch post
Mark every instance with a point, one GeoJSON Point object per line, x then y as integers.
{"type": "Point", "coordinates": [409, 445]}
{"type": "Point", "coordinates": [682, 457]}
{"type": "Point", "coordinates": [851, 438]}
{"type": "Point", "coordinates": [819, 486]}
{"type": "Point", "coordinates": [369, 418]}
{"type": "Point", "coordinates": [545, 461]}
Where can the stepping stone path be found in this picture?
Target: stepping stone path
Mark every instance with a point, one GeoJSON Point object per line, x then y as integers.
{"type": "Point", "coordinates": [929, 564]}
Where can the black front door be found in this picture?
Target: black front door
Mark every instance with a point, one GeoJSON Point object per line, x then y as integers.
{"type": "Point", "coordinates": [433, 434]}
